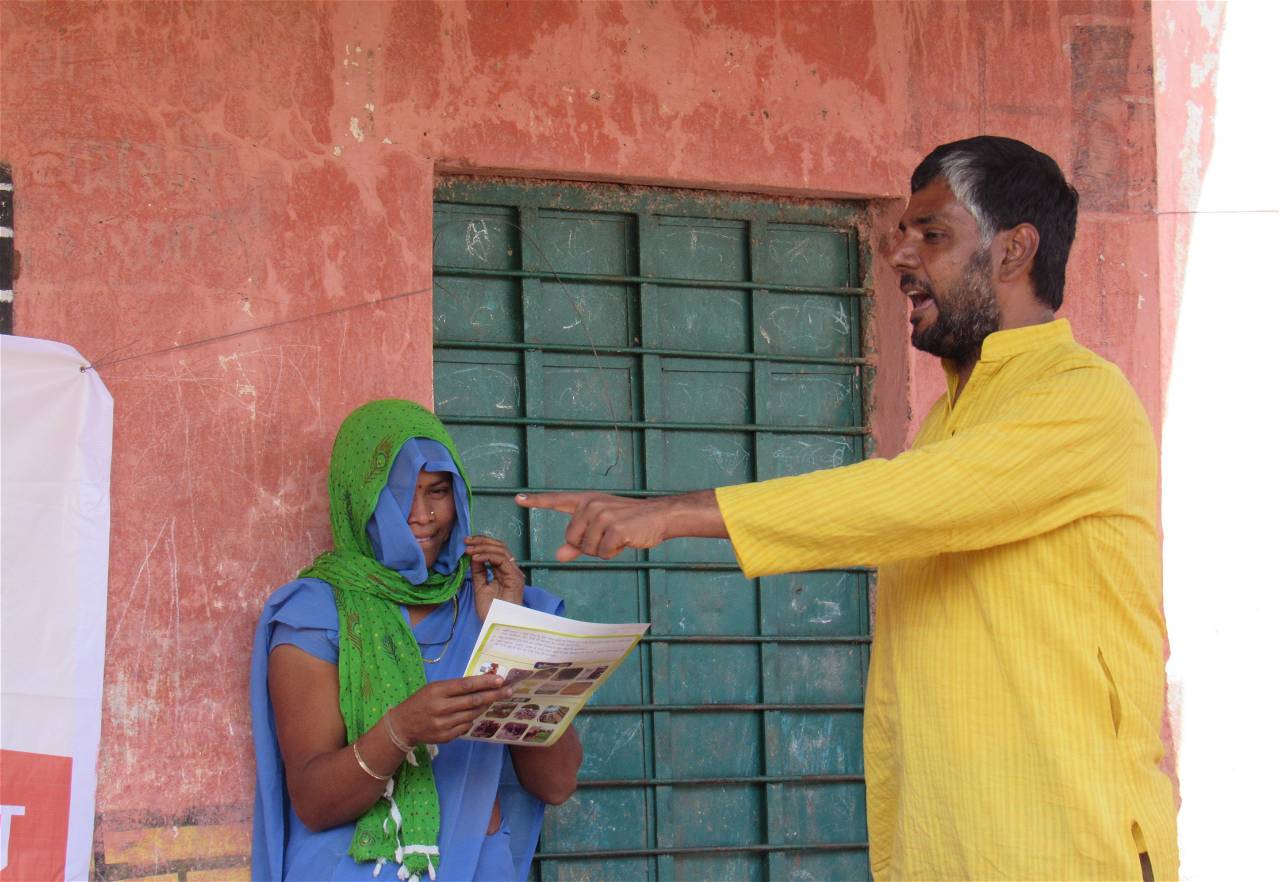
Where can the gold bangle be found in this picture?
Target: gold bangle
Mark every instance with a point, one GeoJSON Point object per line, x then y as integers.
{"type": "Point", "coordinates": [355, 748]}
{"type": "Point", "coordinates": [395, 738]}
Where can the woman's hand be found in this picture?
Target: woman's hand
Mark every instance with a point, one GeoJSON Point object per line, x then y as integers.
{"type": "Point", "coordinates": [327, 784]}
{"type": "Point", "coordinates": [444, 710]}
{"type": "Point", "coordinates": [507, 580]}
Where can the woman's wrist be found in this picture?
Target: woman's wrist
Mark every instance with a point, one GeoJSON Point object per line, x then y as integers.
{"type": "Point", "coordinates": [375, 756]}
{"type": "Point", "coordinates": [401, 744]}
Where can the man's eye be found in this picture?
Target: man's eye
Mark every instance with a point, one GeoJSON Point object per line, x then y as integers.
{"type": "Point", "coordinates": [933, 236]}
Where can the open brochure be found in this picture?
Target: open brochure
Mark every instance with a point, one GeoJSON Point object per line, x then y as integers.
{"type": "Point", "coordinates": [555, 665]}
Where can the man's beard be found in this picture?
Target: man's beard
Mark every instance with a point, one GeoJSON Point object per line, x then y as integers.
{"type": "Point", "coordinates": [966, 314]}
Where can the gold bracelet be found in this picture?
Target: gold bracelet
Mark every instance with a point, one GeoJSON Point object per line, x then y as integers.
{"type": "Point", "coordinates": [395, 738]}
{"type": "Point", "coordinates": [355, 748]}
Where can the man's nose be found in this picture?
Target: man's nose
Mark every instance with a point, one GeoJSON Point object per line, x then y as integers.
{"type": "Point", "coordinates": [902, 254]}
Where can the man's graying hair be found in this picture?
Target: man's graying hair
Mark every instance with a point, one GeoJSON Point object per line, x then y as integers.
{"type": "Point", "coordinates": [1003, 183]}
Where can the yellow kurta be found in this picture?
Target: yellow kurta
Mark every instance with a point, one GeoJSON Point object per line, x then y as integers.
{"type": "Point", "coordinates": [1013, 709]}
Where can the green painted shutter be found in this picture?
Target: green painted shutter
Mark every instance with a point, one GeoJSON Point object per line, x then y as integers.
{"type": "Point", "coordinates": [640, 341]}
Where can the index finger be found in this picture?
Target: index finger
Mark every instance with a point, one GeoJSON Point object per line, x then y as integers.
{"type": "Point", "coordinates": [565, 502]}
{"type": "Point", "coordinates": [466, 685]}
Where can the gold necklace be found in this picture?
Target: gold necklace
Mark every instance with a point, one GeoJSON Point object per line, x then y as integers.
{"type": "Point", "coordinates": [452, 625]}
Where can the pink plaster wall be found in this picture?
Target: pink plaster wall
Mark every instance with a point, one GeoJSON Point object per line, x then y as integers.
{"type": "Point", "coordinates": [185, 171]}
{"type": "Point", "coordinates": [1185, 41]}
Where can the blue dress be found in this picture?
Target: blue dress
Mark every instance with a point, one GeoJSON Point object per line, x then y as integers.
{"type": "Point", "coordinates": [469, 775]}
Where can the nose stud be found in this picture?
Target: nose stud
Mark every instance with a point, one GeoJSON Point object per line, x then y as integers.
{"type": "Point", "coordinates": [431, 514]}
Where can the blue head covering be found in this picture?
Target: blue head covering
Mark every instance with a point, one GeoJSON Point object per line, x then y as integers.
{"type": "Point", "coordinates": [393, 543]}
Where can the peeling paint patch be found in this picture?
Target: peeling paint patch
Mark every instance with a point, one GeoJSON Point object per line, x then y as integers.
{"type": "Point", "coordinates": [1203, 69]}
{"type": "Point", "coordinates": [356, 131]}
{"type": "Point", "coordinates": [1211, 15]}
{"type": "Point", "coordinates": [1191, 174]}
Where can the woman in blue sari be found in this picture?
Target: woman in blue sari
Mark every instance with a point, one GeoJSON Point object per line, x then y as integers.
{"type": "Point", "coordinates": [357, 691]}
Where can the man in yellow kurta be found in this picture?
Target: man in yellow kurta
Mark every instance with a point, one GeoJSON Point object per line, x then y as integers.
{"type": "Point", "coordinates": [1016, 688]}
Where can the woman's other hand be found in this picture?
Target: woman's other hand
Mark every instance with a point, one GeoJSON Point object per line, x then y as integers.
{"type": "Point", "coordinates": [549, 773]}
{"type": "Point", "coordinates": [444, 710]}
{"type": "Point", "coordinates": [494, 573]}
{"type": "Point", "coordinates": [327, 784]}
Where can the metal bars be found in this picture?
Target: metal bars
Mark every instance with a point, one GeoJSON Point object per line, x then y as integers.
{"type": "Point", "coordinates": [703, 782]}
{"type": "Point", "coordinates": [706, 849]}
{"type": "Point", "coordinates": [655, 425]}
{"type": "Point", "coordinates": [669, 353]}
{"type": "Point", "coordinates": [620, 278]}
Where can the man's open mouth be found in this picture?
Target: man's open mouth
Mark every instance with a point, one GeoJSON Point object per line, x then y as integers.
{"type": "Point", "coordinates": [920, 303]}
{"type": "Point", "coordinates": [920, 295]}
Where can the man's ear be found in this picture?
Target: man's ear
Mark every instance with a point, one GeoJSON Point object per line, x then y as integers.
{"type": "Point", "coordinates": [1018, 252]}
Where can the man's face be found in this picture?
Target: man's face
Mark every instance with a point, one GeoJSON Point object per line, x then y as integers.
{"type": "Point", "coordinates": [946, 272]}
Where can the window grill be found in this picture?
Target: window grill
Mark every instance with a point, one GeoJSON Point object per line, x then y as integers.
{"type": "Point", "coordinates": [640, 341]}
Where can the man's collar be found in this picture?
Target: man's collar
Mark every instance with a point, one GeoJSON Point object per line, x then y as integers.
{"type": "Point", "coordinates": [1003, 345]}
{"type": "Point", "coordinates": [1015, 341]}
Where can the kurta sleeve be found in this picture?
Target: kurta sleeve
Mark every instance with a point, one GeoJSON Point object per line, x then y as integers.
{"type": "Point", "coordinates": [1055, 451]}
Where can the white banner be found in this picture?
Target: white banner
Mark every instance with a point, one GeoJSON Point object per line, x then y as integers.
{"type": "Point", "coordinates": [55, 468]}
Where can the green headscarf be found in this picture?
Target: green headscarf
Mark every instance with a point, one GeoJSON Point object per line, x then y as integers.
{"type": "Point", "coordinates": [379, 661]}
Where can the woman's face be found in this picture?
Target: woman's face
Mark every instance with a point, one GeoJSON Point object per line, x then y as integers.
{"type": "Point", "coordinates": [432, 515]}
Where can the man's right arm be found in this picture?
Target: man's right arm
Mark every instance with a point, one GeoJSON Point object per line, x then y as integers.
{"type": "Point", "coordinates": [1058, 451]}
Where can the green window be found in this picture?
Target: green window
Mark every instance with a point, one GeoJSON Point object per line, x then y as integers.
{"type": "Point", "coordinates": [640, 341]}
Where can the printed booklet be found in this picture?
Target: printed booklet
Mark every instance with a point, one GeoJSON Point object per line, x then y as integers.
{"type": "Point", "coordinates": [555, 664]}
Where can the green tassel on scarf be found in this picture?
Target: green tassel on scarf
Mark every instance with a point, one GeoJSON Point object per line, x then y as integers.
{"type": "Point", "coordinates": [379, 661]}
